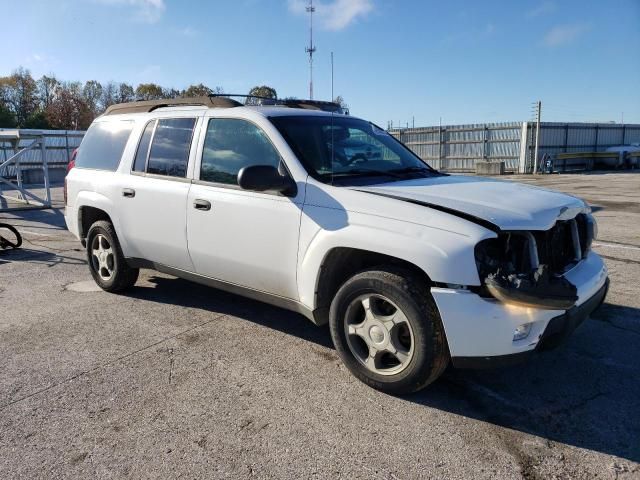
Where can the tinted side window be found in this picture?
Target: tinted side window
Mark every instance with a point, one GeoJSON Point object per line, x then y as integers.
{"type": "Point", "coordinates": [103, 145]}
{"type": "Point", "coordinates": [170, 146]}
{"type": "Point", "coordinates": [230, 145]}
{"type": "Point", "coordinates": [140, 161]}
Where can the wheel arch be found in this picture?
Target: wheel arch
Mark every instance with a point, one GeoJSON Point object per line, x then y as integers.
{"type": "Point", "coordinates": [91, 207]}
{"type": "Point", "coordinates": [87, 216]}
{"type": "Point", "coordinates": [340, 263]}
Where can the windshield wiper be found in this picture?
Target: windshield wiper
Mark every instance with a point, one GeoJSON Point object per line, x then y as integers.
{"type": "Point", "coordinates": [415, 169]}
{"type": "Point", "coordinates": [367, 172]}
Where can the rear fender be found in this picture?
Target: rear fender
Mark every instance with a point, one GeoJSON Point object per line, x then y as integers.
{"type": "Point", "coordinates": [87, 198]}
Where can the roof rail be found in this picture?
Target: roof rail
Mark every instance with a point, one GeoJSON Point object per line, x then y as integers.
{"type": "Point", "coordinates": [151, 105]}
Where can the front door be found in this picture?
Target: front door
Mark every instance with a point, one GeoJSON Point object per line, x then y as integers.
{"type": "Point", "coordinates": [238, 236]}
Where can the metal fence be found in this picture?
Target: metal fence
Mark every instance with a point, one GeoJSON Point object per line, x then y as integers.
{"type": "Point", "coordinates": [460, 147]}
{"type": "Point", "coordinates": [59, 144]}
{"type": "Point", "coordinates": [447, 147]}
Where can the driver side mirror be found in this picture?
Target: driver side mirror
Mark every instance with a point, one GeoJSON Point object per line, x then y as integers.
{"type": "Point", "coordinates": [262, 178]}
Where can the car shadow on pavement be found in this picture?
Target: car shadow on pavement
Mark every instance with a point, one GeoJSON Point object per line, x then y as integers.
{"type": "Point", "coordinates": [176, 291]}
{"type": "Point", "coordinates": [583, 394]}
{"type": "Point", "coordinates": [28, 255]}
{"type": "Point", "coordinates": [48, 216]}
{"type": "Point", "coordinates": [586, 393]}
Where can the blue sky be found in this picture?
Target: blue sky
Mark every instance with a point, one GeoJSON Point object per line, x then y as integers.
{"type": "Point", "coordinates": [464, 62]}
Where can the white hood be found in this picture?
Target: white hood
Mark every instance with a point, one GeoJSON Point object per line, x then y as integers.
{"type": "Point", "coordinates": [508, 205]}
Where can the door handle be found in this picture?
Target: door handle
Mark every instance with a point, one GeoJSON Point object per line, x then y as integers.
{"type": "Point", "coordinates": [203, 205]}
{"type": "Point", "coordinates": [128, 192]}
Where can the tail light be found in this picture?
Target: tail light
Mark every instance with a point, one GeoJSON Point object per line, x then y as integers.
{"type": "Point", "coordinates": [70, 165]}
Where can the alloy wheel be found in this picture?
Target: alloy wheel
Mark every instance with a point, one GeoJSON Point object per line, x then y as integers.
{"type": "Point", "coordinates": [379, 334]}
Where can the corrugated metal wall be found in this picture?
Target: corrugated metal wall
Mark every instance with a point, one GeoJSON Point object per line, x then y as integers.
{"type": "Point", "coordinates": [449, 147]}
{"type": "Point", "coordinates": [59, 145]}
{"type": "Point", "coordinates": [459, 147]}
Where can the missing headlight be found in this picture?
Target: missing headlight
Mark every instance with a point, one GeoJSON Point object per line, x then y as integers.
{"type": "Point", "coordinates": [511, 270]}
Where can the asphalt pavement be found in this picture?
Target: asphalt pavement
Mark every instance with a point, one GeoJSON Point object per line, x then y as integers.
{"type": "Point", "coordinates": [174, 379]}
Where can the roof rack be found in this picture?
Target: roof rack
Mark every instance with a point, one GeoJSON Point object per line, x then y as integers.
{"type": "Point", "coordinates": [212, 101]}
{"type": "Point", "coordinates": [222, 100]}
{"type": "Point", "coordinates": [314, 105]}
{"type": "Point", "coordinates": [287, 102]}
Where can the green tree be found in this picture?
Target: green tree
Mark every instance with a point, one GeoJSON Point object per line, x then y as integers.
{"type": "Point", "coordinates": [109, 95]}
{"type": "Point", "coordinates": [340, 101]}
{"type": "Point", "coordinates": [5, 89]}
{"type": "Point", "coordinates": [92, 94]}
{"type": "Point", "coordinates": [46, 90]}
{"type": "Point", "coordinates": [170, 93]}
{"type": "Point", "coordinates": [69, 110]}
{"type": "Point", "coordinates": [261, 91]}
{"type": "Point", "coordinates": [7, 118]}
{"type": "Point", "coordinates": [20, 94]}
{"type": "Point", "coordinates": [199, 90]}
{"type": "Point", "coordinates": [126, 93]}
{"type": "Point", "coordinates": [149, 91]}
{"type": "Point", "coordinates": [38, 119]}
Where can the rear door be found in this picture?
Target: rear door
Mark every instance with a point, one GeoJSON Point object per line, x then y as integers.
{"type": "Point", "coordinates": [242, 237]}
{"type": "Point", "coordinates": [153, 197]}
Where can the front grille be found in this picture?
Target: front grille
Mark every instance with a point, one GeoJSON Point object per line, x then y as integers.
{"type": "Point", "coordinates": [565, 244]}
{"type": "Point", "coordinates": [525, 252]}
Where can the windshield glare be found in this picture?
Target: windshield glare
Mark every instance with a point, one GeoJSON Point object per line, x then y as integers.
{"type": "Point", "coordinates": [338, 147]}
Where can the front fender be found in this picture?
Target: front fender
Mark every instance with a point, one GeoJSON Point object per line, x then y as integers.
{"type": "Point", "coordinates": [445, 256]}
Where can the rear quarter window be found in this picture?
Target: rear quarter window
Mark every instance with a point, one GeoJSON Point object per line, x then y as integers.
{"type": "Point", "coordinates": [103, 145]}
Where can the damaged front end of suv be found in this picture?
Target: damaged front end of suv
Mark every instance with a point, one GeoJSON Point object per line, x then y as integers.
{"type": "Point", "coordinates": [527, 268]}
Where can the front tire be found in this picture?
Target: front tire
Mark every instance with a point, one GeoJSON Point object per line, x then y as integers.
{"type": "Point", "coordinates": [387, 329]}
{"type": "Point", "coordinates": [106, 262]}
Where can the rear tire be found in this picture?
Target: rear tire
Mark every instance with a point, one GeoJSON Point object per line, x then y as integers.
{"type": "Point", "coordinates": [387, 329]}
{"type": "Point", "coordinates": [106, 262]}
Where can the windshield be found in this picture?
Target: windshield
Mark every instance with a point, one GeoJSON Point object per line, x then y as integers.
{"type": "Point", "coordinates": [338, 148]}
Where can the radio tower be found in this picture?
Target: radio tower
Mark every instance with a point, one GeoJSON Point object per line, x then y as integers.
{"type": "Point", "coordinates": [310, 49]}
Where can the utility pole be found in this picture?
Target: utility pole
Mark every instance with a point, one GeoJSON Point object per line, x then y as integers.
{"type": "Point", "coordinates": [310, 49]}
{"type": "Point", "coordinates": [535, 154]}
{"type": "Point", "coordinates": [440, 143]}
{"type": "Point", "coordinates": [332, 97]}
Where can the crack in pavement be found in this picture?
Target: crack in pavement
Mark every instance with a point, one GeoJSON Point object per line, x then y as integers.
{"type": "Point", "coordinates": [598, 318]}
{"type": "Point", "coordinates": [111, 362]}
{"type": "Point", "coordinates": [628, 261]}
{"type": "Point", "coordinates": [567, 409]}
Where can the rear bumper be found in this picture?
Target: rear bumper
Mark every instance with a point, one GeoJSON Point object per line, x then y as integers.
{"type": "Point", "coordinates": [71, 219]}
{"type": "Point", "coordinates": [558, 329]}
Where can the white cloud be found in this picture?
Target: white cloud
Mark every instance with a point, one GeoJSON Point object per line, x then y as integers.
{"type": "Point", "coordinates": [334, 14]}
{"type": "Point", "coordinates": [542, 9]}
{"type": "Point", "coordinates": [564, 34]}
{"type": "Point", "coordinates": [148, 11]}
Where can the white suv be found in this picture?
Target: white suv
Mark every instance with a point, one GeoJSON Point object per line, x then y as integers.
{"type": "Point", "coordinates": [412, 268]}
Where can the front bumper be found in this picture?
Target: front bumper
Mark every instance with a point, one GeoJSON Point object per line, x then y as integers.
{"type": "Point", "coordinates": [480, 331]}
{"type": "Point", "coordinates": [558, 329]}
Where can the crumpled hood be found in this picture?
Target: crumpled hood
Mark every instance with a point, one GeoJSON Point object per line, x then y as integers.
{"type": "Point", "coordinates": [507, 205]}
